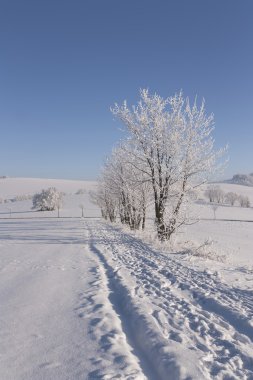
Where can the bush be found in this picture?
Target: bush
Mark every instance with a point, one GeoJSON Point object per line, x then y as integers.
{"type": "Point", "coordinates": [47, 200]}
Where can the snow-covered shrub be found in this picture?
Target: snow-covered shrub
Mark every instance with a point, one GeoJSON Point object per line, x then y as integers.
{"type": "Point", "coordinates": [231, 198]}
{"type": "Point", "coordinates": [244, 201]}
{"type": "Point", "coordinates": [206, 250]}
{"type": "Point", "coordinates": [47, 200]}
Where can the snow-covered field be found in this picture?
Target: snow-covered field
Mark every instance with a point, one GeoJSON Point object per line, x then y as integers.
{"type": "Point", "coordinates": [13, 187]}
{"type": "Point", "coordinates": [82, 299]}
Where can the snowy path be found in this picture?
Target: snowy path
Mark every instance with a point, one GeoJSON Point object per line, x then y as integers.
{"type": "Point", "coordinates": [188, 324]}
{"type": "Point", "coordinates": [82, 300]}
{"type": "Point", "coordinates": [56, 320]}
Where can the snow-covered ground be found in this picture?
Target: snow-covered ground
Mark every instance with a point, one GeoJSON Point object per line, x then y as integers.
{"type": "Point", "coordinates": [13, 187]}
{"type": "Point", "coordinates": [57, 321]}
{"type": "Point", "coordinates": [82, 299]}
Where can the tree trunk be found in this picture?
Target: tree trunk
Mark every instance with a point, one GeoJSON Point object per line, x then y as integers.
{"type": "Point", "coordinates": [143, 219]}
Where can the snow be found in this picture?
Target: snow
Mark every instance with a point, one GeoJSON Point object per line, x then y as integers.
{"type": "Point", "coordinates": [11, 187]}
{"type": "Point", "coordinates": [56, 318]}
{"type": "Point", "coordinates": [191, 324]}
{"type": "Point", "coordinates": [83, 299]}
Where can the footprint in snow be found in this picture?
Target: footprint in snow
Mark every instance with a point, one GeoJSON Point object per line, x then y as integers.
{"type": "Point", "coordinates": [175, 336]}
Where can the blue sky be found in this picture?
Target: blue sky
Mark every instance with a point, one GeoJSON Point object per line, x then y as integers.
{"type": "Point", "coordinates": [64, 63]}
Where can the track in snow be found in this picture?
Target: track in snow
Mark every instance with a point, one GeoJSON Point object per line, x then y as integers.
{"type": "Point", "coordinates": [81, 299]}
{"type": "Point", "coordinates": [197, 315]}
{"type": "Point", "coordinates": [56, 319]}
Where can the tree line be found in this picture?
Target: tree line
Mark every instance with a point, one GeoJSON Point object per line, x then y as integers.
{"type": "Point", "coordinates": [216, 195]}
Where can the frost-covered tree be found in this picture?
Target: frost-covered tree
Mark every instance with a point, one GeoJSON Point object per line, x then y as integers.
{"type": "Point", "coordinates": [128, 186]}
{"type": "Point", "coordinates": [231, 198]}
{"type": "Point", "coordinates": [220, 195]}
{"type": "Point", "coordinates": [173, 149]}
{"type": "Point", "coordinates": [47, 200]}
{"type": "Point", "coordinates": [107, 203]}
{"type": "Point", "coordinates": [244, 201]}
{"type": "Point", "coordinates": [215, 194]}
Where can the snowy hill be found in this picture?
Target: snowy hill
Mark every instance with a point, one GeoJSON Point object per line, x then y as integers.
{"type": "Point", "coordinates": [76, 193]}
{"type": "Point", "coordinates": [12, 187]}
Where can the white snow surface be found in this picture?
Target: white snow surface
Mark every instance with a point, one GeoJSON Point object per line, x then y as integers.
{"type": "Point", "coordinates": [83, 299]}
{"type": "Point", "coordinates": [11, 187]}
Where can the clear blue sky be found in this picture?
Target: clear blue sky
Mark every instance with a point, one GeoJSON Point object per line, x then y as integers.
{"type": "Point", "coordinates": [63, 63]}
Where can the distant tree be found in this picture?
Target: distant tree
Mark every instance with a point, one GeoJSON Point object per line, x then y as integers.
{"type": "Point", "coordinates": [210, 193]}
{"type": "Point", "coordinates": [244, 201]}
{"type": "Point", "coordinates": [231, 198]}
{"type": "Point", "coordinates": [106, 201]}
{"type": "Point", "coordinates": [215, 194]}
{"type": "Point", "coordinates": [220, 195]}
{"type": "Point", "coordinates": [23, 197]}
{"type": "Point", "coordinates": [214, 208]}
{"type": "Point", "coordinates": [47, 200]}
